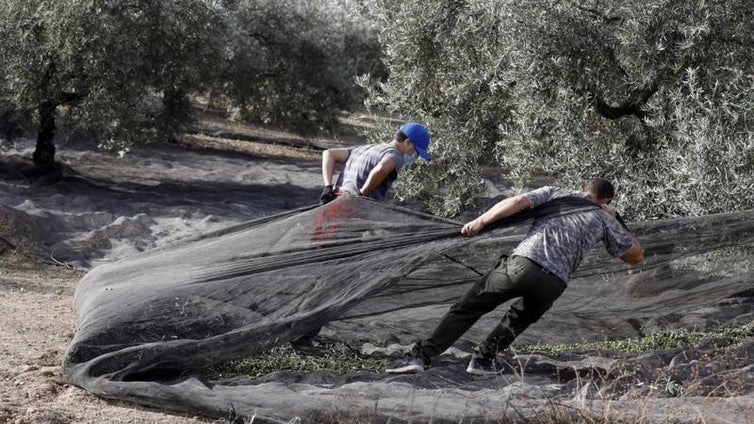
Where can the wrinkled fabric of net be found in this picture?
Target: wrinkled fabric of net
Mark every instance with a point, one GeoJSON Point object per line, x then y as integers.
{"type": "Point", "coordinates": [366, 271]}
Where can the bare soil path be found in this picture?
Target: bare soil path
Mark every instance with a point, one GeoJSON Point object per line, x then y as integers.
{"type": "Point", "coordinates": [36, 324]}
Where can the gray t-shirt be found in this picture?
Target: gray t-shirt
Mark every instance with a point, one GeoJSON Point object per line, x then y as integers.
{"type": "Point", "coordinates": [361, 160]}
{"type": "Point", "coordinates": [559, 243]}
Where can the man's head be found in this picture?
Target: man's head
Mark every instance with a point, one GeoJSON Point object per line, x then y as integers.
{"type": "Point", "coordinates": [417, 135]}
{"type": "Point", "coordinates": [600, 190]}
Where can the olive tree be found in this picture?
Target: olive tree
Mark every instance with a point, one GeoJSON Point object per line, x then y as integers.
{"type": "Point", "coordinates": [654, 96]}
{"type": "Point", "coordinates": [294, 61]}
{"type": "Point", "coordinates": [447, 66]}
{"type": "Point", "coordinates": [125, 70]}
{"type": "Point", "coordinates": [101, 64]}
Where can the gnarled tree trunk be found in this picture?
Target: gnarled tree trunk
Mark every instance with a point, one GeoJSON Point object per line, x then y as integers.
{"type": "Point", "coordinates": [44, 154]}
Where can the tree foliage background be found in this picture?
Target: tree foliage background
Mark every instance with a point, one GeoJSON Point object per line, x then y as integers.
{"type": "Point", "coordinates": [124, 71]}
{"type": "Point", "coordinates": [656, 96]}
{"type": "Point", "coordinates": [295, 61]}
{"type": "Point", "coordinates": [102, 65]}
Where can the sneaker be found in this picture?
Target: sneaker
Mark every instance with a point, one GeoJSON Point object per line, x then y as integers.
{"type": "Point", "coordinates": [409, 364]}
{"type": "Point", "coordinates": [304, 343]}
{"type": "Point", "coordinates": [308, 341]}
{"type": "Point", "coordinates": [480, 365]}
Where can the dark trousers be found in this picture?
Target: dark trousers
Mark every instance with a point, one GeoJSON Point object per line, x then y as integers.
{"type": "Point", "coordinates": [516, 277]}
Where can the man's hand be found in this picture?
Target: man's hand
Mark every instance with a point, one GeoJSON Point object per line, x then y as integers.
{"type": "Point", "coordinates": [472, 228]}
{"type": "Point", "coordinates": [327, 195]}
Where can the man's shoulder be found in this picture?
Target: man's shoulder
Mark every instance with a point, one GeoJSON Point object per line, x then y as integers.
{"type": "Point", "coordinates": [387, 148]}
{"type": "Point", "coordinates": [558, 192]}
{"type": "Point", "coordinates": [545, 194]}
{"type": "Point", "coordinates": [375, 148]}
{"type": "Point", "coordinates": [552, 189]}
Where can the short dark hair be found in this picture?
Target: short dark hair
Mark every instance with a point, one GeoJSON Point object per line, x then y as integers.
{"type": "Point", "coordinates": [601, 187]}
{"type": "Point", "coordinates": [400, 136]}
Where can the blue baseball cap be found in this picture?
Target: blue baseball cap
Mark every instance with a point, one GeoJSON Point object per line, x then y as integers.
{"type": "Point", "coordinates": [419, 137]}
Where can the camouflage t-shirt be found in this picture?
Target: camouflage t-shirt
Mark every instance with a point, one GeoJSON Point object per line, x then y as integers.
{"type": "Point", "coordinates": [361, 160]}
{"type": "Point", "coordinates": [558, 243]}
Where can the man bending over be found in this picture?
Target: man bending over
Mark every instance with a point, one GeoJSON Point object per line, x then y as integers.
{"type": "Point", "coordinates": [537, 272]}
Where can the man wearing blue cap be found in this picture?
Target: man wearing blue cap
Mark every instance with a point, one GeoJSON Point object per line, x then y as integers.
{"type": "Point", "coordinates": [370, 170]}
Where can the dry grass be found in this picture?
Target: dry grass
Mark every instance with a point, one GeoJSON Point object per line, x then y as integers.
{"type": "Point", "coordinates": [213, 131]}
{"type": "Point", "coordinates": [268, 150]}
{"type": "Point", "coordinates": [27, 273]}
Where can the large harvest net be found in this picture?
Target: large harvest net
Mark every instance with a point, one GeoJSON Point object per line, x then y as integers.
{"type": "Point", "coordinates": [366, 271]}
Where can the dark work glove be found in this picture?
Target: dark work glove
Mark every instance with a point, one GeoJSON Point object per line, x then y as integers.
{"type": "Point", "coordinates": [327, 195]}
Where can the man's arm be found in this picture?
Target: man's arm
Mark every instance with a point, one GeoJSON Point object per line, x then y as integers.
{"type": "Point", "coordinates": [634, 254]}
{"type": "Point", "coordinates": [502, 209]}
{"type": "Point", "coordinates": [377, 175]}
{"type": "Point", "coordinates": [329, 158]}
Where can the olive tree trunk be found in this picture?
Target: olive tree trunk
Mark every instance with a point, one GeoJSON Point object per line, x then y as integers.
{"type": "Point", "coordinates": [44, 154]}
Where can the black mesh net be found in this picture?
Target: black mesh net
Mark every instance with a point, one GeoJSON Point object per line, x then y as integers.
{"type": "Point", "coordinates": [367, 271]}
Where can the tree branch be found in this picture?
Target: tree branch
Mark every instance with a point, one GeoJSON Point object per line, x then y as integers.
{"type": "Point", "coordinates": [630, 107]}
{"type": "Point", "coordinates": [64, 98]}
{"type": "Point", "coordinates": [264, 39]}
{"type": "Point", "coordinates": [599, 14]}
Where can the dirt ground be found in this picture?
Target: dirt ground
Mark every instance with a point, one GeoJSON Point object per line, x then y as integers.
{"type": "Point", "coordinates": [36, 325]}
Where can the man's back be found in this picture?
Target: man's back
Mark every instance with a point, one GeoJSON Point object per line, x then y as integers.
{"type": "Point", "coordinates": [361, 161]}
{"type": "Point", "coordinates": [559, 243]}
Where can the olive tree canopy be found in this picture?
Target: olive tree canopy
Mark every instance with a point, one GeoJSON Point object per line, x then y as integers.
{"type": "Point", "coordinates": [655, 96]}
{"type": "Point", "coordinates": [295, 61]}
{"type": "Point", "coordinates": [124, 70]}
{"type": "Point", "coordinates": [100, 63]}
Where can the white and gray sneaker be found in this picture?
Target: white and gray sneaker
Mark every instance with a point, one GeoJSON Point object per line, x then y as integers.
{"type": "Point", "coordinates": [409, 364]}
{"type": "Point", "coordinates": [480, 365]}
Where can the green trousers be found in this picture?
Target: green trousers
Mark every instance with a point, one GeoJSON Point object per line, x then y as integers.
{"type": "Point", "coordinates": [514, 277]}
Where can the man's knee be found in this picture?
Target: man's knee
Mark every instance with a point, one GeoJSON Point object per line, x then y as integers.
{"type": "Point", "coordinates": [533, 309]}
{"type": "Point", "coordinates": [477, 301]}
